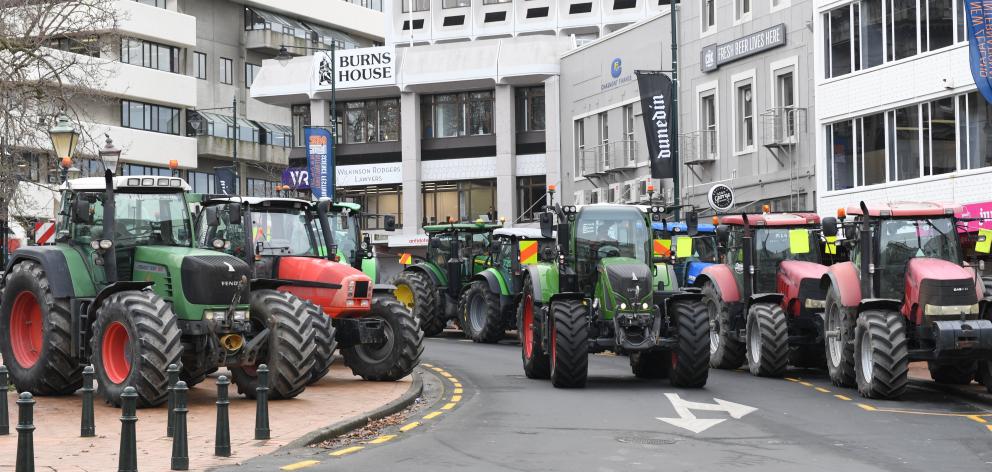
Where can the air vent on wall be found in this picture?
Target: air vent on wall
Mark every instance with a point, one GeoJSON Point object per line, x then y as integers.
{"type": "Point", "coordinates": [577, 8]}
{"type": "Point", "coordinates": [537, 12]}
{"type": "Point", "coordinates": [624, 4]}
{"type": "Point", "coordinates": [457, 20]}
{"type": "Point", "coordinates": [495, 16]}
{"type": "Point", "coordinates": [417, 24]}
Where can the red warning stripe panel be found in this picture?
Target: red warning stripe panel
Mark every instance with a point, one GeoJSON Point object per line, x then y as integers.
{"type": "Point", "coordinates": [528, 252]}
{"type": "Point", "coordinates": [44, 232]}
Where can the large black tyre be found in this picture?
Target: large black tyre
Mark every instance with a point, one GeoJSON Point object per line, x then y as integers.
{"type": "Point", "coordinates": [537, 363]}
{"type": "Point", "coordinates": [419, 294]}
{"type": "Point", "coordinates": [768, 340]}
{"type": "Point", "coordinates": [325, 343]}
{"type": "Point", "coordinates": [48, 365]}
{"type": "Point", "coordinates": [193, 379]}
{"type": "Point", "coordinates": [135, 337]}
{"type": "Point", "coordinates": [569, 344]}
{"type": "Point", "coordinates": [650, 364]}
{"type": "Point", "coordinates": [882, 360]}
{"type": "Point", "coordinates": [288, 352]}
{"type": "Point", "coordinates": [691, 357]}
{"type": "Point", "coordinates": [960, 372]}
{"type": "Point", "coordinates": [399, 355]}
{"type": "Point", "coordinates": [726, 350]}
{"type": "Point", "coordinates": [481, 318]}
{"type": "Point", "coordinates": [838, 342]}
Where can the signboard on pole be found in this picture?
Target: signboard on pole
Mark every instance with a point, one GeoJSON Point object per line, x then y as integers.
{"type": "Point", "coordinates": [656, 105]}
{"type": "Point", "coordinates": [298, 178]}
{"type": "Point", "coordinates": [721, 197]}
{"type": "Point", "coordinates": [978, 15]}
{"type": "Point", "coordinates": [224, 180]}
{"type": "Point", "coordinates": [320, 159]}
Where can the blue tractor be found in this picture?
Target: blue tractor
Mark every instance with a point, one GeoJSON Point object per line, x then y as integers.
{"type": "Point", "coordinates": [704, 249]}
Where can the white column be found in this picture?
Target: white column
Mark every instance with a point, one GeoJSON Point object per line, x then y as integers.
{"type": "Point", "coordinates": [506, 159]}
{"type": "Point", "coordinates": [552, 137]}
{"type": "Point", "coordinates": [413, 210]}
{"type": "Point", "coordinates": [320, 113]}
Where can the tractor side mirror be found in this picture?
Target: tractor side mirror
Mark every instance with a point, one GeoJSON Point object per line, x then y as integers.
{"type": "Point", "coordinates": [564, 234]}
{"type": "Point", "coordinates": [366, 246]}
{"type": "Point", "coordinates": [81, 211]}
{"type": "Point", "coordinates": [547, 225]}
{"type": "Point", "coordinates": [213, 219]}
{"type": "Point", "coordinates": [389, 223]}
{"type": "Point", "coordinates": [234, 213]}
{"type": "Point", "coordinates": [722, 235]}
{"type": "Point", "coordinates": [829, 225]}
{"type": "Point", "coordinates": [692, 223]}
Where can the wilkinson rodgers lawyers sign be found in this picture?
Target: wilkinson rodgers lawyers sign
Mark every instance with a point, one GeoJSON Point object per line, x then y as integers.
{"type": "Point", "coordinates": [716, 55]}
{"type": "Point", "coordinates": [354, 68]}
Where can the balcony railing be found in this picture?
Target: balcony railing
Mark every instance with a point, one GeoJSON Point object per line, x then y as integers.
{"type": "Point", "coordinates": [782, 126]}
{"type": "Point", "coordinates": [699, 147]}
{"type": "Point", "coordinates": [610, 156]}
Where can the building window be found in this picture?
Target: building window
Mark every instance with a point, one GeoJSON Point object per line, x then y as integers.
{"type": "Point", "coordinates": [144, 116]}
{"type": "Point", "coordinates": [530, 197]}
{"type": "Point", "coordinates": [371, 121]}
{"type": "Point", "coordinates": [251, 71]}
{"type": "Point", "coordinates": [785, 101]}
{"type": "Point", "coordinates": [226, 68]}
{"type": "Point", "coordinates": [838, 39]}
{"type": "Point", "coordinates": [580, 146]}
{"type": "Point", "coordinates": [377, 201]}
{"type": "Point", "coordinates": [418, 5]}
{"type": "Point", "coordinates": [142, 53]}
{"type": "Point", "coordinates": [708, 124]}
{"type": "Point", "coordinates": [200, 65]}
{"type": "Point", "coordinates": [29, 166]}
{"type": "Point", "coordinates": [456, 3]}
{"type": "Point", "coordinates": [708, 17]}
{"type": "Point", "coordinates": [976, 140]}
{"type": "Point", "coordinates": [495, 2]}
{"type": "Point", "coordinates": [870, 34]}
{"type": "Point", "coordinates": [904, 155]}
{"type": "Point", "coordinates": [301, 120]}
{"type": "Point", "coordinates": [154, 3]}
{"type": "Point", "coordinates": [261, 187]}
{"type": "Point", "coordinates": [603, 123]}
{"type": "Point", "coordinates": [742, 10]}
{"type": "Point", "coordinates": [840, 152]}
{"type": "Point", "coordinates": [457, 114]}
{"type": "Point", "coordinates": [276, 135]}
{"type": "Point", "coordinates": [936, 24]}
{"type": "Point", "coordinates": [458, 201]}
{"type": "Point", "coordinates": [744, 127]}
{"type": "Point", "coordinates": [87, 46]}
{"type": "Point", "coordinates": [530, 109]}
{"type": "Point", "coordinates": [135, 169]}
{"type": "Point", "coordinates": [201, 182]}
{"type": "Point", "coordinates": [204, 123]}
{"type": "Point", "coordinates": [629, 144]}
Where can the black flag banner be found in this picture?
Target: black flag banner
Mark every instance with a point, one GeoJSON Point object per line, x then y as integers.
{"type": "Point", "coordinates": [656, 105]}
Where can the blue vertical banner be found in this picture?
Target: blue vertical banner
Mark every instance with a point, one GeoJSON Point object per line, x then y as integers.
{"type": "Point", "coordinates": [979, 17]}
{"type": "Point", "coordinates": [320, 159]}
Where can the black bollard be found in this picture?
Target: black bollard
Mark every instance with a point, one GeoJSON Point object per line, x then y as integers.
{"type": "Point", "coordinates": [25, 433]}
{"type": "Point", "coordinates": [4, 414]}
{"type": "Point", "coordinates": [87, 427]}
{"type": "Point", "coordinates": [223, 439]}
{"type": "Point", "coordinates": [128, 458]}
{"type": "Point", "coordinates": [262, 403]}
{"type": "Point", "coordinates": [173, 373]}
{"type": "Point", "coordinates": [180, 444]}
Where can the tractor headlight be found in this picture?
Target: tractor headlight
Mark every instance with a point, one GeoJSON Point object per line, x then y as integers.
{"type": "Point", "coordinates": [240, 315]}
{"type": "Point", "coordinates": [211, 315]}
{"type": "Point", "coordinates": [811, 303]}
{"type": "Point", "coordinates": [623, 306]}
{"type": "Point", "coordinates": [218, 244]}
{"type": "Point", "coordinates": [644, 306]}
{"type": "Point", "coordinates": [950, 310]}
{"type": "Point", "coordinates": [106, 244]}
{"type": "Point", "coordinates": [95, 244]}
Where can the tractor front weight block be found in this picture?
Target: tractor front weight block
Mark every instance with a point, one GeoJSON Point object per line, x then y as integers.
{"type": "Point", "coordinates": [957, 335]}
{"type": "Point", "coordinates": [637, 331]}
{"type": "Point", "coordinates": [355, 331]}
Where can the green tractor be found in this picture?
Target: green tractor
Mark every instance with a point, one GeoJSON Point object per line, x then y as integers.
{"type": "Point", "coordinates": [488, 306]}
{"type": "Point", "coordinates": [604, 293]}
{"type": "Point", "coordinates": [125, 288]}
{"type": "Point", "coordinates": [432, 288]}
{"type": "Point", "coordinates": [353, 246]}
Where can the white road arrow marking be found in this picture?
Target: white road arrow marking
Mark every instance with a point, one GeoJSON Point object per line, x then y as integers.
{"type": "Point", "coordinates": [687, 420]}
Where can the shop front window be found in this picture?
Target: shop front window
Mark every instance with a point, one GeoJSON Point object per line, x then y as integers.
{"type": "Point", "coordinates": [459, 201]}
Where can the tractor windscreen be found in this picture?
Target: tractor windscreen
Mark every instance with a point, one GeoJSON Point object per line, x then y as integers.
{"type": "Point", "coordinates": [611, 232]}
{"type": "Point", "coordinates": [282, 232]}
{"type": "Point", "coordinates": [903, 239]}
{"type": "Point", "coordinates": [145, 219]}
{"type": "Point", "coordinates": [774, 245]}
{"type": "Point", "coordinates": [345, 233]}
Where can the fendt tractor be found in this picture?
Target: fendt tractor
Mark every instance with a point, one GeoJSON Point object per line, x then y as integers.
{"type": "Point", "coordinates": [432, 288]}
{"type": "Point", "coordinates": [702, 255]}
{"type": "Point", "coordinates": [124, 288]}
{"type": "Point", "coordinates": [286, 243]}
{"type": "Point", "coordinates": [598, 294]}
{"type": "Point", "coordinates": [488, 307]}
{"type": "Point", "coordinates": [904, 296]}
{"type": "Point", "coordinates": [764, 300]}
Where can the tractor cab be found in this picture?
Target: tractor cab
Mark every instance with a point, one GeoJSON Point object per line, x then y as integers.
{"type": "Point", "coordinates": [700, 254]}
{"type": "Point", "coordinates": [345, 222]}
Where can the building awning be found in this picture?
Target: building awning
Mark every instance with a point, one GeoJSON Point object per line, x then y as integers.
{"type": "Point", "coordinates": [224, 120]}
{"type": "Point", "coordinates": [329, 34]}
{"type": "Point", "coordinates": [284, 84]}
{"type": "Point", "coordinates": [282, 129]}
{"type": "Point", "coordinates": [277, 22]}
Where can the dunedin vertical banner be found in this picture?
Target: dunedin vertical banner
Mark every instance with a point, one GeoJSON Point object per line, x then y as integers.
{"type": "Point", "coordinates": [979, 17]}
{"type": "Point", "coordinates": [320, 159]}
{"type": "Point", "coordinates": [656, 106]}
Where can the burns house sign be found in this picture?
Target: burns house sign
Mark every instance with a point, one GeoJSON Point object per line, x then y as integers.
{"type": "Point", "coordinates": [716, 55]}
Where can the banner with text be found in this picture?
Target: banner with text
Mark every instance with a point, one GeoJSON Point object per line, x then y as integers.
{"type": "Point", "coordinates": [320, 162]}
{"type": "Point", "coordinates": [656, 106]}
{"type": "Point", "coordinates": [224, 180]}
{"type": "Point", "coordinates": [979, 17]}
{"type": "Point", "coordinates": [298, 178]}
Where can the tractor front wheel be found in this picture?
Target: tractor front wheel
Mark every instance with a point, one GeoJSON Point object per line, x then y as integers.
{"type": "Point", "coordinates": [882, 363]}
{"type": "Point", "coordinates": [288, 351]}
{"type": "Point", "coordinates": [397, 356]}
{"type": "Point", "coordinates": [479, 309]}
{"type": "Point", "coordinates": [650, 364]}
{"type": "Point", "coordinates": [325, 342]}
{"type": "Point", "coordinates": [418, 293]}
{"type": "Point", "coordinates": [537, 364]}
{"type": "Point", "coordinates": [767, 340]}
{"type": "Point", "coordinates": [726, 350]}
{"type": "Point", "coordinates": [691, 357]}
{"type": "Point", "coordinates": [35, 333]}
{"type": "Point", "coordinates": [955, 373]}
{"type": "Point", "coordinates": [135, 337]}
{"type": "Point", "coordinates": [569, 344]}
{"type": "Point", "coordinates": [838, 342]}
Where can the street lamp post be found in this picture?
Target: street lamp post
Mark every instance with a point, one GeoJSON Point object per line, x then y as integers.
{"type": "Point", "coordinates": [283, 57]}
{"type": "Point", "coordinates": [111, 156]}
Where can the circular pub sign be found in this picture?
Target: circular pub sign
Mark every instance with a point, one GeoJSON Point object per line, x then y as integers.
{"type": "Point", "coordinates": [721, 197]}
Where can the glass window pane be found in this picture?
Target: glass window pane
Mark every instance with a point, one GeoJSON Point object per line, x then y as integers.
{"type": "Point", "coordinates": [943, 136]}
{"type": "Point", "coordinates": [940, 16]}
{"type": "Point", "coordinates": [840, 41]}
{"type": "Point", "coordinates": [907, 135]}
{"type": "Point", "coordinates": [842, 155]}
{"type": "Point", "coordinates": [871, 33]}
{"type": "Point", "coordinates": [902, 26]}
{"type": "Point", "coordinates": [873, 147]}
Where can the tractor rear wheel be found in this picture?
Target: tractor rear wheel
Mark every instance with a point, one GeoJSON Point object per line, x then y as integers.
{"type": "Point", "coordinates": [135, 337]}
{"type": "Point", "coordinates": [481, 317]}
{"type": "Point", "coordinates": [726, 350]}
{"type": "Point", "coordinates": [537, 364]}
{"type": "Point", "coordinates": [838, 342]}
{"type": "Point", "coordinates": [691, 357]}
{"type": "Point", "coordinates": [35, 332]}
{"type": "Point", "coordinates": [418, 293]}
{"type": "Point", "coordinates": [398, 355]}
{"type": "Point", "coordinates": [882, 363]}
{"type": "Point", "coordinates": [569, 344]}
{"type": "Point", "coordinates": [650, 364]}
{"type": "Point", "coordinates": [957, 373]}
{"type": "Point", "coordinates": [288, 351]}
{"type": "Point", "coordinates": [767, 340]}
{"type": "Point", "coordinates": [325, 342]}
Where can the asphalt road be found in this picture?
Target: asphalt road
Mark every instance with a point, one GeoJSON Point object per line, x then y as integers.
{"type": "Point", "coordinates": [509, 422]}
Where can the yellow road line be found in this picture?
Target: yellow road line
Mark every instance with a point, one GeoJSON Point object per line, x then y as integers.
{"type": "Point", "coordinates": [346, 451]}
{"type": "Point", "coordinates": [448, 406]}
{"type": "Point", "coordinates": [457, 385]}
{"type": "Point", "coordinates": [456, 398]}
{"type": "Point", "coordinates": [790, 379]}
{"type": "Point", "coordinates": [445, 374]}
{"type": "Point", "coordinates": [976, 418]}
{"type": "Point", "coordinates": [453, 380]}
{"type": "Point", "coordinates": [458, 391]}
{"type": "Point", "coordinates": [866, 407]}
{"type": "Point", "coordinates": [409, 426]}
{"type": "Point", "coordinates": [382, 439]}
{"type": "Point", "coordinates": [989, 426]}
{"type": "Point", "coordinates": [806, 384]}
{"type": "Point", "coordinates": [821, 390]}
{"type": "Point", "coordinates": [437, 369]}
{"type": "Point", "coordinates": [432, 415]}
{"type": "Point", "coordinates": [842, 397]}
{"type": "Point", "coordinates": [299, 465]}
{"type": "Point", "coordinates": [427, 365]}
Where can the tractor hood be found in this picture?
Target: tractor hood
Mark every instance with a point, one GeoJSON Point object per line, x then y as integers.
{"type": "Point", "coordinates": [629, 279]}
{"type": "Point", "coordinates": [207, 277]}
{"type": "Point", "coordinates": [351, 291]}
{"type": "Point", "coordinates": [940, 282]}
{"type": "Point", "coordinates": [803, 278]}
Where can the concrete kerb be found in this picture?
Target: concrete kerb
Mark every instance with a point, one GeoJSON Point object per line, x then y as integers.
{"type": "Point", "coordinates": [346, 426]}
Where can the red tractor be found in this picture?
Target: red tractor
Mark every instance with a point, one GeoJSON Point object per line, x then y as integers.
{"type": "Point", "coordinates": [764, 299]}
{"type": "Point", "coordinates": [904, 296]}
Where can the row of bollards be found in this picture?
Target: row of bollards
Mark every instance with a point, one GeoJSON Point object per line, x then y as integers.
{"type": "Point", "coordinates": [128, 457]}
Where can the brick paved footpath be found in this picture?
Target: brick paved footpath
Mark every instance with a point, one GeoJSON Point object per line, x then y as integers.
{"type": "Point", "coordinates": [58, 447]}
